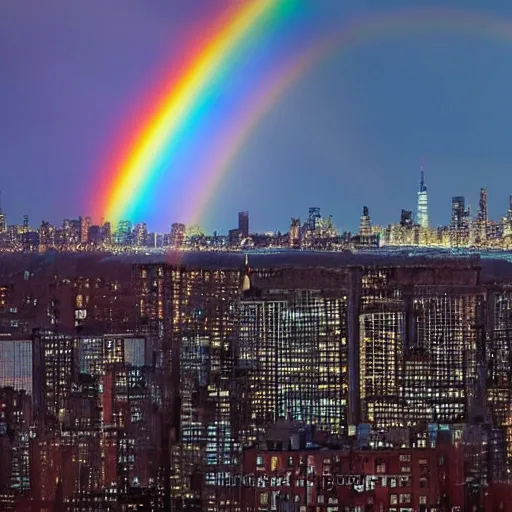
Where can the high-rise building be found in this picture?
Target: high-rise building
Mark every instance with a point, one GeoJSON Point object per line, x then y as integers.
{"type": "Point", "coordinates": [313, 217]}
{"type": "Point", "coordinates": [16, 364]}
{"type": "Point", "coordinates": [15, 454]}
{"type": "Point", "coordinates": [55, 367]}
{"type": "Point", "coordinates": [482, 218]}
{"type": "Point", "coordinates": [3, 225]}
{"type": "Point", "coordinates": [458, 216]}
{"type": "Point", "coordinates": [243, 224]}
{"type": "Point", "coordinates": [422, 202]}
{"type": "Point", "coordinates": [406, 220]}
{"type": "Point", "coordinates": [292, 354]}
{"type": "Point", "coordinates": [140, 234]}
{"type": "Point", "coordinates": [123, 235]}
{"type": "Point", "coordinates": [482, 212]}
{"type": "Point", "coordinates": [294, 233]}
{"type": "Point", "coordinates": [85, 224]}
{"type": "Point", "coordinates": [365, 225]}
{"type": "Point", "coordinates": [419, 345]}
{"type": "Point", "coordinates": [177, 237]}
{"type": "Point", "coordinates": [460, 222]}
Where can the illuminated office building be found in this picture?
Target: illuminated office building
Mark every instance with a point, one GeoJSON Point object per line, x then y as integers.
{"type": "Point", "coordinates": [140, 234]}
{"type": "Point", "coordinates": [16, 364]}
{"type": "Point", "coordinates": [499, 388]}
{"type": "Point", "coordinates": [192, 313]}
{"type": "Point", "coordinates": [293, 355]}
{"type": "Point", "coordinates": [482, 220]}
{"type": "Point", "coordinates": [55, 369]}
{"type": "Point", "coordinates": [85, 224]}
{"type": "Point", "coordinates": [422, 202]}
{"type": "Point", "coordinates": [365, 224]}
{"type": "Point", "coordinates": [420, 336]}
{"type": "Point", "coordinates": [294, 235]}
{"type": "Point", "coordinates": [381, 346]}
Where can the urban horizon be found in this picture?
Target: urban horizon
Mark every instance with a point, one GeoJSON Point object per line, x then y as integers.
{"type": "Point", "coordinates": [411, 228]}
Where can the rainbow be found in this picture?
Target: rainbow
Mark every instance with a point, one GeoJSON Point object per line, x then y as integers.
{"type": "Point", "coordinates": [179, 109]}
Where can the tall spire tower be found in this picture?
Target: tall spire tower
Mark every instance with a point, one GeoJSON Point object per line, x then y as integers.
{"type": "Point", "coordinates": [3, 226]}
{"type": "Point", "coordinates": [422, 201]}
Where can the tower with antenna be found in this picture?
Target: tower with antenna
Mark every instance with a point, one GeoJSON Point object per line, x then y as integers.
{"type": "Point", "coordinates": [3, 224]}
{"type": "Point", "coordinates": [422, 201]}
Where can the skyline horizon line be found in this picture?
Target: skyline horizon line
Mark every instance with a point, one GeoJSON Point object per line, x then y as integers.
{"type": "Point", "coordinates": [413, 211]}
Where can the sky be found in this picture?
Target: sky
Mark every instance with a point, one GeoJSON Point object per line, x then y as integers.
{"type": "Point", "coordinates": [352, 131]}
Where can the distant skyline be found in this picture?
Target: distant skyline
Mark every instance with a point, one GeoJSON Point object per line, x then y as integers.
{"type": "Point", "coordinates": [352, 132]}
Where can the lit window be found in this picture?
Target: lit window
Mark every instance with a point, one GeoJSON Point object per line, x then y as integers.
{"type": "Point", "coordinates": [259, 460]}
{"type": "Point", "coordinates": [405, 498]}
{"type": "Point", "coordinates": [273, 464]}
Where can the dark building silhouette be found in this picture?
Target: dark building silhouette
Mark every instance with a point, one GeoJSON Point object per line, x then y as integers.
{"type": "Point", "coordinates": [243, 224]}
{"type": "Point", "coordinates": [406, 219]}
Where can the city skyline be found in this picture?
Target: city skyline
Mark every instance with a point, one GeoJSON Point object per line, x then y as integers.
{"type": "Point", "coordinates": [381, 105]}
{"type": "Point", "coordinates": [419, 215]}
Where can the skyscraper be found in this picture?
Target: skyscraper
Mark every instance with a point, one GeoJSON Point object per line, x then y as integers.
{"type": "Point", "coordinates": [422, 202]}
{"type": "Point", "coordinates": [85, 224]}
{"type": "Point", "coordinates": [365, 224]}
{"type": "Point", "coordinates": [458, 212]}
{"type": "Point", "coordinates": [482, 219]}
{"type": "Point", "coordinates": [243, 224]}
{"type": "Point", "coordinates": [482, 213]}
{"type": "Point", "coordinates": [295, 233]}
{"type": "Point", "coordinates": [313, 217]}
{"type": "Point", "coordinates": [3, 226]}
{"type": "Point", "coordinates": [16, 364]}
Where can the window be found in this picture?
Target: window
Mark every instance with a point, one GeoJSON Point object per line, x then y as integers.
{"type": "Point", "coordinates": [264, 498]}
{"type": "Point", "coordinates": [405, 481]}
{"type": "Point", "coordinates": [273, 464]}
{"type": "Point", "coordinates": [321, 499]}
{"type": "Point", "coordinates": [423, 500]}
{"type": "Point", "coordinates": [393, 499]}
{"type": "Point", "coordinates": [290, 462]}
{"type": "Point", "coordinates": [380, 468]}
{"type": "Point", "coordinates": [405, 458]}
{"type": "Point", "coordinates": [405, 498]}
{"type": "Point", "coordinates": [392, 482]}
{"type": "Point", "coordinates": [259, 460]}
